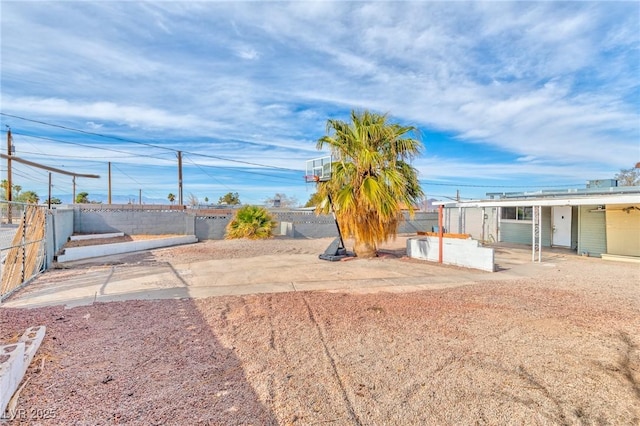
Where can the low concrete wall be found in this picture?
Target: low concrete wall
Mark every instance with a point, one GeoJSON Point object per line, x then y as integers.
{"type": "Point", "coordinates": [87, 252]}
{"type": "Point", "coordinates": [14, 361]}
{"type": "Point", "coordinates": [466, 253]}
{"type": "Point", "coordinates": [210, 224]}
{"type": "Point", "coordinates": [305, 224]}
{"type": "Point", "coordinates": [59, 228]}
{"type": "Point", "coordinates": [100, 220]}
{"type": "Point", "coordinates": [211, 227]}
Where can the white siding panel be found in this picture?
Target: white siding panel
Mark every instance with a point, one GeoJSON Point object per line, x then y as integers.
{"type": "Point", "coordinates": [623, 230]}
{"type": "Point", "coordinates": [592, 237]}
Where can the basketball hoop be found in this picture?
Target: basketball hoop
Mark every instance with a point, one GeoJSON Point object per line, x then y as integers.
{"type": "Point", "coordinates": [311, 178]}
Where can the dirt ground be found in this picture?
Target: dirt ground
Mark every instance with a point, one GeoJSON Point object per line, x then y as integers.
{"type": "Point", "coordinates": [561, 348]}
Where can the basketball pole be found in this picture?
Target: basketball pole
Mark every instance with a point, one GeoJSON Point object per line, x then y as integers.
{"type": "Point", "coordinates": [335, 218]}
{"type": "Point", "coordinates": [333, 212]}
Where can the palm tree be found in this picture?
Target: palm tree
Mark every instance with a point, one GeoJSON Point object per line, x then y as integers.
{"type": "Point", "coordinates": [29, 197]}
{"type": "Point", "coordinates": [251, 222]}
{"type": "Point", "coordinates": [82, 198]}
{"type": "Point", "coordinates": [171, 197]}
{"type": "Point", "coordinates": [372, 179]}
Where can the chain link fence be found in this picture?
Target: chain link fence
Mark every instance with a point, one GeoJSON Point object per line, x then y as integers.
{"type": "Point", "coordinates": [22, 244]}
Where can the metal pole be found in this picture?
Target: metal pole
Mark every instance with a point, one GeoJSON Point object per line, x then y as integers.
{"type": "Point", "coordinates": [49, 203]}
{"type": "Point", "coordinates": [539, 233]}
{"type": "Point", "coordinates": [140, 196]}
{"type": "Point", "coordinates": [440, 212]}
{"type": "Point", "coordinates": [534, 224]}
{"type": "Point", "coordinates": [109, 183]}
{"type": "Point", "coordinates": [9, 184]}
{"type": "Point", "coordinates": [180, 178]}
{"type": "Point", "coordinates": [335, 218]}
{"type": "Point", "coordinates": [484, 224]}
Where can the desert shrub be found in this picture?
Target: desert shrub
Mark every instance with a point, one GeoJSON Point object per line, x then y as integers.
{"type": "Point", "coordinates": [251, 222]}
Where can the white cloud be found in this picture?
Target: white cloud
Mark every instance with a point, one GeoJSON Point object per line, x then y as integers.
{"type": "Point", "coordinates": [547, 84]}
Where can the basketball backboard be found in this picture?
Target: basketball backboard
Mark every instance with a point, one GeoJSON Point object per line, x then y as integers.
{"type": "Point", "coordinates": [318, 169]}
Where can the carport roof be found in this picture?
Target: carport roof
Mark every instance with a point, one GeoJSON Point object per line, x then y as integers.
{"type": "Point", "coordinates": [541, 200]}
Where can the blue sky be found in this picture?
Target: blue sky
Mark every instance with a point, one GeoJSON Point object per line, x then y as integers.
{"type": "Point", "coordinates": [508, 96]}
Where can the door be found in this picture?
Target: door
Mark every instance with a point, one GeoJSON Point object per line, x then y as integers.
{"type": "Point", "coordinates": [561, 223]}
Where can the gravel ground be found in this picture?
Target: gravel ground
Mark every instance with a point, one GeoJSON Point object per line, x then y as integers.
{"type": "Point", "coordinates": [560, 348]}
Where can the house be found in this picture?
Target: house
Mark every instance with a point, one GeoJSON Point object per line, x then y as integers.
{"type": "Point", "coordinates": [600, 220]}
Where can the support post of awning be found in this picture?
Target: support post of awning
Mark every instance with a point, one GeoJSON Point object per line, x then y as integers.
{"type": "Point", "coordinates": [536, 233]}
{"type": "Point", "coordinates": [440, 232]}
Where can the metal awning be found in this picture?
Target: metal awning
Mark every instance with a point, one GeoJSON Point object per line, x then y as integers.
{"type": "Point", "coordinates": [549, 201]}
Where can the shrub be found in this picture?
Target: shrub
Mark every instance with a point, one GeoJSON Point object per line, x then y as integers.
{"type": "Point", "coordinates": [251, 222]}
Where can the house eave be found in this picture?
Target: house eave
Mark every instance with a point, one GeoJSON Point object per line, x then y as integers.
{"type": "Point", "coordinates": [550, 201]}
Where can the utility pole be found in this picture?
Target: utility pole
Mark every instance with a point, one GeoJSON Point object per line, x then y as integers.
{"type": "Point", "coordinates": [109, 201]}
{"type": "Point", "coordinates": [49, 201]}
{"type": "Point", "coordinates": [9, 183]}
{"type": "Point", "coordinates": [180, 178]}
{"type": "Point", "coordinates": [140, 196]}
{"type": "Point", "coordinates": [74, 191]}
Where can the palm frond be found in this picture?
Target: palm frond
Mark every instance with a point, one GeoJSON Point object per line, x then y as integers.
{"type": "Point", "coordinates": [372, 178]}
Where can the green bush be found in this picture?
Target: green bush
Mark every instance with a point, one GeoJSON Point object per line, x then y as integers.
{"type": "Point", "coordinates": [251, 222]}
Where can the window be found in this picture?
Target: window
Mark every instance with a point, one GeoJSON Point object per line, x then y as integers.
{"type": "Point", "coordinates": [517, 213]}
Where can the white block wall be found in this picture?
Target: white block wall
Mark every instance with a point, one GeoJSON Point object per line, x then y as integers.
{"type": "Point", "coordinates": [14, 361]}
{"type": "Point", "coordinates": [455, 251]}
{"type": "Point", "coordinates": [77, 253]}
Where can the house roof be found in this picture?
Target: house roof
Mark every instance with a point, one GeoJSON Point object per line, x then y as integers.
{"type": "Point", "coordinates": [555, 200]}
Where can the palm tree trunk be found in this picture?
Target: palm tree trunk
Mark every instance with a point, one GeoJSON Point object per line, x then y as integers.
{"type": "Point", "coordinates": [364, 250]}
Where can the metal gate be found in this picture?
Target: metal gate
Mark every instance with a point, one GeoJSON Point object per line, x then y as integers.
{"type": "Point", "coordinates": [24, 257]}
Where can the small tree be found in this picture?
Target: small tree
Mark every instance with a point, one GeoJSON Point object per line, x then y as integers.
{"type": "Point", "coordinates": [314, 200]}
{"type": "Point", "coordinates": [171, 197]}
{"type": "Point", "coordinates": [629, 177]}
{"type": "Point", "coordinates": [15, 193]}
{"type": "Point", "coordinates": [281, 200]}
{"type": "Point", "coordinates": [28, 197]}
{"type": "Point", "coordinates": [55, 200]}
{"type": "Point", "coordinates": [251, 222]}
{"type": "Point", "coordinates": [230, 198]}
{"type": "Point", "coordinates": [82, 198]}
{"type": "Point", "coordinates": [193, 200]}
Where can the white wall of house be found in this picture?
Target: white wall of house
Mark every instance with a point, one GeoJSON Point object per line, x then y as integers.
{"type": "Point", "coordinates": [623, 229]}
{"type": "Point", "coordinates": [592, 234]}
{"type": "Point", "coordinates": [481, 222]}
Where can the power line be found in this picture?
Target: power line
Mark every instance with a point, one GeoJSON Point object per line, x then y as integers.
{"type": "Point", "coordinates": [158, 158]}
{"type": "Point", "coordinates": [205, 172]}
{"type": "Point", "coordinates": [83, 157]}
{"type": "Point", "coordinates": [91, 146]}
{"type": "Point", "coordinates": [243, 162]}
{"type": "Point", "coordinates": [85, 132]}
{"type": "Point", "coordinates": [247, 171]}
{"type": "Point", "coordinates": [497, 186]}
{"type": "Point", "coordinates": [147, 144]}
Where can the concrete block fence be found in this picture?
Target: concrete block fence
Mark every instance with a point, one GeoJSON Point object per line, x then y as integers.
{"type": "Point", "coordinates": [211, 224]}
